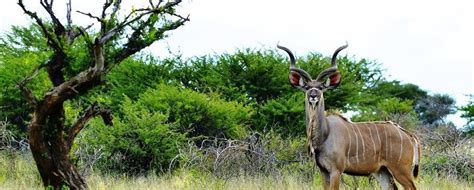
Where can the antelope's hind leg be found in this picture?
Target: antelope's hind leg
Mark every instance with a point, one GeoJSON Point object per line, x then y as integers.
{"type": "Point", "coordinates": [385, 179]}
{"type": "Point", "coordinates": [404, 176]}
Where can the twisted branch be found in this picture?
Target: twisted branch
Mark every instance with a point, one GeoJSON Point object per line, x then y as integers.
{"type": "Point", "coordinates": [144, 11]}
{"type": "Point", "coordinates": [59, 27]}
{"type": "Point", "coordinates": [89, 113]}
{"type": "Point", "coordinates": [50, 39]}
{"type": "Point", "coordinates": [92, 16]}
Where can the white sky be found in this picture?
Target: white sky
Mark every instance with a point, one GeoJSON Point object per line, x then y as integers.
{"type": "Point", "coordinates": [425, 42]}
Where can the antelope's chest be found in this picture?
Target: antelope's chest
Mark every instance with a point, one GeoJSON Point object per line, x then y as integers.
{"type": "Point", "coordinates": [325, 159]}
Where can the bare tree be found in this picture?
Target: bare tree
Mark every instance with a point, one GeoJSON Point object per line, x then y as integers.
{"type": "Point", "coordinates": [119, 36]}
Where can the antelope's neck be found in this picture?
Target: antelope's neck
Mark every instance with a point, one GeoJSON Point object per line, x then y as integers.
{"type": "Point", "coordinates": [316, 125]}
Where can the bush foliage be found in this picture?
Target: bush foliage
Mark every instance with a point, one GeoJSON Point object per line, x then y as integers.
{"type": "Point", "coordinates": [148, 132]}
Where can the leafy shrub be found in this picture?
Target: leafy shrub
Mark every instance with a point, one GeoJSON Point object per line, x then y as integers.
{"type": "Point", "coordinates": [149, 131]}
{"type": "Point", "coordinates": [394, 109]}
{"type": "Point", "coordinates": [130, 79]}
{"type": "Point", "coordinates": [20, 46]}
{"type": "Point", "coordinates": [284, 115]}
{"type": "Point", "coordinates": [196, 114]}
{"type": "Point", "coordinates": [138, 142]}
{"type": "Point", "coordinates": [247, 76]}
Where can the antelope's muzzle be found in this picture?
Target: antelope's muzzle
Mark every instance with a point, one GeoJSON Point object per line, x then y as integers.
{"type": "Point", "coordinates": [313, 96]}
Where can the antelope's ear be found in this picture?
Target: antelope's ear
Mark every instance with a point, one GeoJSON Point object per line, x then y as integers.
{"type": "Point", "coordinates": [296, 80]}
{"type": "Point", "coordinates": [333, 80]}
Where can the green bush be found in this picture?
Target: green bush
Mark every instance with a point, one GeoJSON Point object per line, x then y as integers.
{"type": "Point", "coordinates": [130, 79]}
{"type": "Point", "coordinates": [147, 134]}
{"type": "Point", "coordinates": [284, 115]}
{"type": "Point", "coordinates": [256, 76]}
{"type": "Point", "coordinates": [138, 142]}
{"type": "Point", "coordinates": [196, 114]}
{"type": "Point", "coordinates": [394, 109]}
{"type": "Point", "coordinates": [248, 76]}
{"type": "Point", "coordinates": [20, 53]}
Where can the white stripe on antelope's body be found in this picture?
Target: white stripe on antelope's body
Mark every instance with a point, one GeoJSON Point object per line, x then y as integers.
{"type": "Point", "coordinates": [340, 146]}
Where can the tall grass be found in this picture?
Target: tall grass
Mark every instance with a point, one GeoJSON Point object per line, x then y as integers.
{"type": "Point", "coordinates": [18, 171]}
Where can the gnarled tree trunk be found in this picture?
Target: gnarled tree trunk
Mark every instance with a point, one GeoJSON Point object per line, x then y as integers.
{"type": "Point", "coordinates": [51, 150]}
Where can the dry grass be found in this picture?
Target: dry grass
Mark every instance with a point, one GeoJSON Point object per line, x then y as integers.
{"type": "Point", "coordinates": [19, 172]}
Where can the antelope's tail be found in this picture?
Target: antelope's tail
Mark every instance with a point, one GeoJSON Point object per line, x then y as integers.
{"type": "Point", "coordinates": [416, 156]}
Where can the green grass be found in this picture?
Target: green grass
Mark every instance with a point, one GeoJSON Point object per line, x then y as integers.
{"type": "Point", "coordinates": [19, 172]}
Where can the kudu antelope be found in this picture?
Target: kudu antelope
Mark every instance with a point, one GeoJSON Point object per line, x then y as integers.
{"type": "Point", "coordinates": [382, 149]}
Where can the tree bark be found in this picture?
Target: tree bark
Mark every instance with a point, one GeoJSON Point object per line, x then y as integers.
{"type": "Point", "coordinates": [50, 150]}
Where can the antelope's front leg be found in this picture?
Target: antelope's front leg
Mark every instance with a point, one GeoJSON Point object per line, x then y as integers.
{"type": "Point", "coordinates": [334, 179]}
{"type": "Point", "coordinates": [326, 178]}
